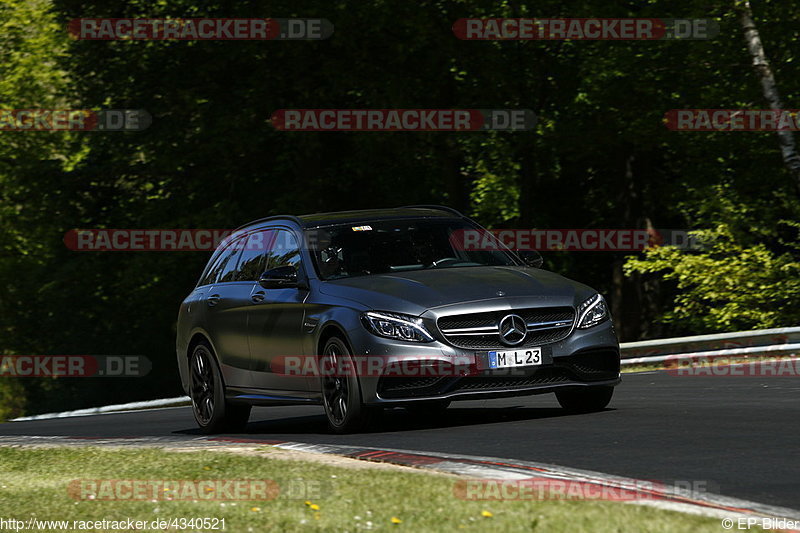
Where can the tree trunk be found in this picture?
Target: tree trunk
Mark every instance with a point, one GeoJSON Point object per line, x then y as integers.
{"type": "Point", "coordinates": [457, 185]}
{"type": "Point", "coordinates": [626, 293]}
{"type": "Point", "coordinates": [528, 181]}
{"type": "Point", "coordinates": [768, 85]}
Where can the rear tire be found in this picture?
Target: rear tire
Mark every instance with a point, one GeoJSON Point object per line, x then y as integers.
{"type": "Point", "coordinates": [344, 408]}
{"type": "Point", "coordinates": [586, 400]}
{"type": "Point", "coordinates": [212, 412]}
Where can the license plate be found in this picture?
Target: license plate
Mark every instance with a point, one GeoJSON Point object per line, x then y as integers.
{"type": "Point", "coordinates": [515, 358]}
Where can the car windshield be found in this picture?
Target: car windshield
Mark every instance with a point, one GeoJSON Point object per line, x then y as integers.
{"type": "Point", "coordinates": [391, 246]}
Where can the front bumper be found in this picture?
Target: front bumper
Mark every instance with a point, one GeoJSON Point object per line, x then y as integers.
{"type": "Point", "coordinates": [584, 358]}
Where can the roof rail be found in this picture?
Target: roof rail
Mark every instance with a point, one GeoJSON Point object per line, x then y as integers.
{"type": "Point", "coordinates": [436, 207]}
{"type": "Point", "coordinates": [266, 219]}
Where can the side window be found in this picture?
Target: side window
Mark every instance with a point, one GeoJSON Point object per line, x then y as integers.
{"type": "Point", "coordinates": [228, 270]}
{"type": "Point", "coordinates": [284, 251]}
{"type": "Point", "coordinates": [225, 263]}
{"type": "Point", "coordinates": [211, 275]}
{"type": "Point", "coordinates": [253, 261]}
{"type": "Point", "coordinates": [208, 279]}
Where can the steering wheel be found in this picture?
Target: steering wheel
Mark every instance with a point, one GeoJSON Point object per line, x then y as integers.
{"type": "Point", "coordinates": [332, 253]}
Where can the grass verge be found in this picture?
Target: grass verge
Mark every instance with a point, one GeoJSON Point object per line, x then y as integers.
{"type": "Point", "coordinates": [34, 483]}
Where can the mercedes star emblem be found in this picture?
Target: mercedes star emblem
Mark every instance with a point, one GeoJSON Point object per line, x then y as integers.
{"type": "Point", "coordinates": [513, 330]}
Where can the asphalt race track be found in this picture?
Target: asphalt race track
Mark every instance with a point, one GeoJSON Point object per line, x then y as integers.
{"type": "Point", "coordinates": [741, 435]}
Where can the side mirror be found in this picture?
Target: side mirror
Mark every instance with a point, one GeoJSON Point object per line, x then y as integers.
{"type": "Point", "coordinates": [532, 258]}
{"type": "Point", "coordinates": [284, 277]}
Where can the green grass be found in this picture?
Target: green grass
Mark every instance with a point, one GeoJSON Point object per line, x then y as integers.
{"type": "Point", "coordinates": [34, 481]}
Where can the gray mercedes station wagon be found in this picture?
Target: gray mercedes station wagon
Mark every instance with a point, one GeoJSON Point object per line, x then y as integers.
{"type": "Point", "coordinates": [364, 310]}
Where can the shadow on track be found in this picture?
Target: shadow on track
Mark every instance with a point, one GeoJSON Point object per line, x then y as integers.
{"type": "Point", "coordinates": [399, 420]}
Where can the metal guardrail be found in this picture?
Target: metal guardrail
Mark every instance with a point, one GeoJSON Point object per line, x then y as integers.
{"type": "Point", "coordinates": [740, 343]}
{"type": "Point", "coordinates": [776, 350]}
{"type": "Point", "coordinates": [107, 409]}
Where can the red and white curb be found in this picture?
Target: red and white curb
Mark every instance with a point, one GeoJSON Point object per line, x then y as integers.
{"type": "Point", "coordinates": [474, 467]}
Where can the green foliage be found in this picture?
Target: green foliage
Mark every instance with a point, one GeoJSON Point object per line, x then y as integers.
{"type": "Point", "coordinates": [12, 399]}
{"type": "Point", "coordinates": [729, 286]}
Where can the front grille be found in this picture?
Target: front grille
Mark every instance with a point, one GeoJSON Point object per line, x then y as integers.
{"type": "Point", "coordinates": [544, 376]}
{"type": "Point", "coordinates": [545, 325]}
{"type": "Point", "coordinates": [419, 387]}
{"type": "Point", "coordinates": [410, 387]}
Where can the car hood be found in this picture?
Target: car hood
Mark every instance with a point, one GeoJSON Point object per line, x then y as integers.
{"type": "Point", "coordinates": [420, 290]}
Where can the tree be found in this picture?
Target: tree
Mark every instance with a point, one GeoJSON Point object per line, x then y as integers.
{"type": "Point", "coordinates": [768, 84]}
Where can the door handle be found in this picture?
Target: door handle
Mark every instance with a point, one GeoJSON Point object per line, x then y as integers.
{"type": "Point", "coordinates": [258, 297]}
{"type": "Point", "coordinates": [212, 300]}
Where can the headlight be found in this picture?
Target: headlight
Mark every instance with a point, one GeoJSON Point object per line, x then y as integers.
{"type": "Point", "coordinates": [592, 312]}
{"type": "Point", "coordinates": [396, 326]}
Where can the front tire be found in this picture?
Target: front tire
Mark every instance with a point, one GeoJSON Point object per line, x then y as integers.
{"type": "Point", "coordinates": [212, 412]}
{"type": "Point", "coordinates": [585, 400]}
{"type": "Point", "coordinates": [344, 408]}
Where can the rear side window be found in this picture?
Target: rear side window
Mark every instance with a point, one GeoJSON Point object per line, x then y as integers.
{"type": "Point", "coordinates": [284, 251]}
{"type": "Point", "coordinates": [253, 261]}
{"type": "Point", "coordinates": [224, 266]}
{"type": "Point", "coordinates": [228, 269]}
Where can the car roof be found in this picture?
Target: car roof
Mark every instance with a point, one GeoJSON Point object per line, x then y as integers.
{"type": "Point", "coordinates": [366, 215]}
